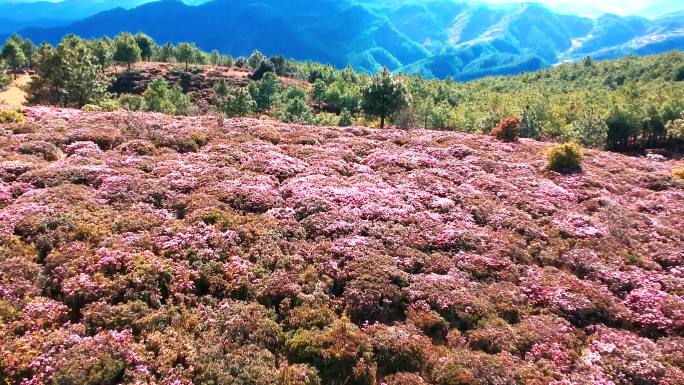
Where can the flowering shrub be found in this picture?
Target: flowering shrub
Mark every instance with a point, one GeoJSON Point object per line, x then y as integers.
{"type": "Point", "coordinates": [147, 249]}
{"type": "Point", "coordinates": [508, 129]}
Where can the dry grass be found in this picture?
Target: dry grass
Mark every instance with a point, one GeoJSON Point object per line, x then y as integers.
{"type": "Point", "coordinates": [15, 95]}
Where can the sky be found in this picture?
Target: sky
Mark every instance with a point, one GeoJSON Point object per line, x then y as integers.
{"type": "Point", "coordinates": [587, 7]}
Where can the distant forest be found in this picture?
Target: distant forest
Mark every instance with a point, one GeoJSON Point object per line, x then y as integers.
{"type": "Point", "coordinates": [628, 104]}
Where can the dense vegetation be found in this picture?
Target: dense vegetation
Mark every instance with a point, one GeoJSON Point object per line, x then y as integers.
{"type": "Point", "coordinates": [435, 38]}
{"type": "Point", "coordinates": [627, 104]}
{"type": "Point", "coordinates": [143, 248]}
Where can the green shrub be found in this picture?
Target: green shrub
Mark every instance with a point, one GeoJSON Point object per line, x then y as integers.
{"type": "Point", "coordinates": [326, 119]}
{"type": "Point", "coordinates": [132, 102]}
{"type": "Point", "coordinates": [564, 157]}
{"type": "Point", "coordinates": [11, 116]}
{"type": "Point", "coordinates": [346, 118]}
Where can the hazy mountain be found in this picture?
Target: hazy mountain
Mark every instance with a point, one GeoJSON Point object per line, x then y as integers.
{"type": "Point", "coordinates": [434, 37]}
{"type": "Point", "coordinates": [68, 10]}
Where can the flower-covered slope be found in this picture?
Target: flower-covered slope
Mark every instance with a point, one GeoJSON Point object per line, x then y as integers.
{"type": "Point", "coordinates": [142, 248]}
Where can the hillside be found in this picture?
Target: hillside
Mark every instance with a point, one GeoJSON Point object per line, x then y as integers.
{"type": "Point", "coordinates": [144, 248]}
{"type": "Point", "coordinates": [436, 38]}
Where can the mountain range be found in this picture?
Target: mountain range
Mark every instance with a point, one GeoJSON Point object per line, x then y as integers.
{"type": "Point", "coordinates": [436, 38]}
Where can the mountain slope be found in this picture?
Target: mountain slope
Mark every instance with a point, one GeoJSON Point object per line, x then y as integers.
{"type": "Point", "coordinates": [138, 241]}
{"type": "Point", "coordinates": [434, 37]}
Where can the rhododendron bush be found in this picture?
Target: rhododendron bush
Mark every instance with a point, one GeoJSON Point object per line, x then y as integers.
{"type": "Point", "coordinates": [148, 249]}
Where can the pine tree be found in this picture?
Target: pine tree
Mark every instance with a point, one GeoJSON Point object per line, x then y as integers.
{"type": "Point", "coordinates": [146, 45]}
{"type": "Point", "coordinates": [13, 55]}
{"type": "Point", "coordinates": [126, 50]}
{"type": "Point", "coordinates": [255, 59]}
{"type": "Point", "coordinates": [233, 101]}
{"type": "Point", "coordinates": [384, 96]}
{"type": "Point", "coordinates": [591, 130]}
{"type": "Point", "coordinates": [186, 53]}
{"type": "Point", "coordinates": [69, 75]}
{"type": "Point", "coordinates": [264, 91]}
{"type": "Point", "coordinates": [530, 126]}
{"type": "Point", "coordinates": [346, 118]}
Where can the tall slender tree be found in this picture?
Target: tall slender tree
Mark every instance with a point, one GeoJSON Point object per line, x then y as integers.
{"type": "Point", "coordinates": [13, 55]}
{"type": "Point", "coordinates": [384, 96]}
{"type": "Point", "coordinates": [146, 45]}
{"type": "Point", "coordinates": [126, 50]}
{"type": "Point", "coordinates": [186, 53]}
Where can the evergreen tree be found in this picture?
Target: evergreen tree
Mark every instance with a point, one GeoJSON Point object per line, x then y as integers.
{"type": "Point", "coordinates": [215, 57]}
{"type": "Point", "coordinates": [318, 92]}
{"type": "Point", "coordinates": [384, 96]}
{"type": "Point", "coordinates": [296, 110]}
{"type": "Point", "coordinates": [591, 130]}
{"type": "Point", "coordinates": [166, 53]}
{"type": "Point", "coordinates": [146, 45]}
{"type": "Point", "coordinates": [126, 50]}
{"type": "Point", "coordinates": [13, 55]}
{"type": "Point", "coordinates": [233, 101]}
{"type": "Point", "coordinates": [255, 59]}
{"type": "Point", "coordinates": [346, 118]}
{"type": "Point", "coordinates": [30, 52]}
{"type": "Point", "coordinates": [68, 75]}
{"type": "Point", "coordinates": [186, 53]}
{"type": "Point", "coordinates": [102, 49]}
{"type": "Point", "coordinates": [530, 126]}
{"type": "Point", "coordinates": [264, 91]}
{"type": "Point", "coordinates": [263, 68]}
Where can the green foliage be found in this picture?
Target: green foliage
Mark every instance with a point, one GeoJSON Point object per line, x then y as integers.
{"type": "Point", "coordinates": [68, 75]}
{"type": "Point", "coordinates": [29, 49]}
{"type": "Point", "coordinates": [126, 49]}
{"type": "Point", "coordinates": [105, 104]}
{"type": "Point", "coordinates": [146, 45]}
{"type": "Point", "coordinates": [186, 53]}
{"type": "Point", "coordinates": [326, 119]}
{"type": "Point", "coordinates": [384, 96]}
{"type": "Point", "coordinates": [626, 104]}
{"type": "Point", "coordinates": [165, 53]}
{"type": "Point", "coordinates": [346, 118]}
{"type": "Point", "coordinates": [13, 54]}
{"type": "Point", "coordinates": [233, 101]}
{"type": "Point", "coordinates": [296, 110]}
{"type": "Point", "coordinates": [530, 126]}
{"type": "Point", "coordinates": [103, 50]}
{"type": "Point", "coordinates": [564, 158]}
{"type": "Point", "coordinates": [264, 91]}
{"type": "Point", "coordinates": [159, 97]}
{"type": "Point", "coordinates": [4, 79]}
{"type": "Point", "coordinates": [440, 116]}
{"type": "Point", "coordinates": [255, 59]}
{"type": "Point", "coordinates": [591, 130]}
{"type": "Point", "coordinates": [132, 102]}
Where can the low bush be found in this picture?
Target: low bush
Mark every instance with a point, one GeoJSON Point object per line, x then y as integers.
{"type": "Point", "coordinates": [564, 158]}
{"type": "Point", "coordinates": [508, 130]}
{"type": "Point", "coordinates": [45, 150]}
{"type": "Point", "coordinates": [11, 116]}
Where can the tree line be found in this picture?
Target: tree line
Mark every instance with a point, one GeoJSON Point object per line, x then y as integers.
{"type": "Point", "coordinates": [625, 104]}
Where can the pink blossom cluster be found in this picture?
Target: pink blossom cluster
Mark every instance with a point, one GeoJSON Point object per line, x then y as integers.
{"type": "Point", "coordinates": [140, 248]}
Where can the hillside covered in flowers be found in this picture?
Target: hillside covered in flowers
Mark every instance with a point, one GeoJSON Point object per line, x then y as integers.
{"type": "Point", "coordinates": [139, 248]}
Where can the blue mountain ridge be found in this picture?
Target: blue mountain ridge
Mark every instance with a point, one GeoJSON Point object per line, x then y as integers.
{"type": "Point", "coordinates": [435, 38]}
